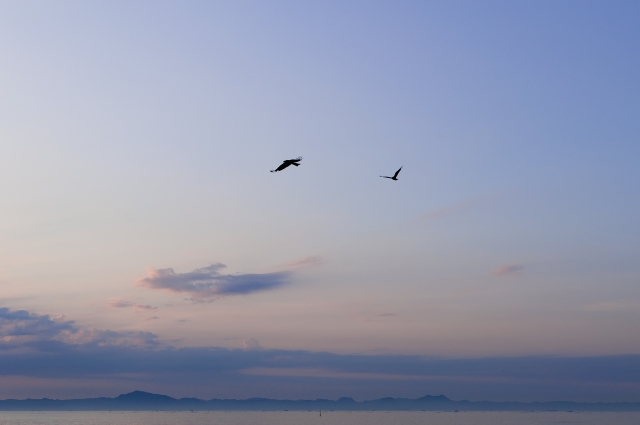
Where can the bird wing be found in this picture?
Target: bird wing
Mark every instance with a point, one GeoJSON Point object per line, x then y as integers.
{"type": "Point", "coordinates": [286, 163]}
{"type": "Point", "coordinates": [397, 172]}
{"type": "Point", "coordinates": [282, 166]}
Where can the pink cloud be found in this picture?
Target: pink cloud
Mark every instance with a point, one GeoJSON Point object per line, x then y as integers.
{"type": "Point", "coordinates": [509, 270]}
{"type": "Point", "coordinates": [120, 303]}
{"type": "Point", "coordinates": [208, 283]}
{"type": "Point", "coordinates": [252, 344]}
{"type": "Point", "coordinates": [308, 261]}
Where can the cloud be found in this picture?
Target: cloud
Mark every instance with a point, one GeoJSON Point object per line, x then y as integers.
{"type": "Point", "coordinates": [20, 326]}
{"type": "Point", "coordinates": [308, 261]}
{"type": "Point", "coordinates": [208, 282]}
{"type": "Point", "coordinates": [106, 338]}
{"type": "Point", "coordinates": [64, 353]}
{"type": "Point", "coordinates": [23, 330]}
{"type": "Point", "coordinates": [120, 303]}
{"type": "Point", "coordinates": [252, 344]}
{"type": "Point", "coordinates": [510, 270]}
{"type": "Point", "coordinates": [327, 373]}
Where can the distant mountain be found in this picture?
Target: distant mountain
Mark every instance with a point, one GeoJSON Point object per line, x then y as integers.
{"type": "Point", "coordinates": [140, 400]}
{"type": "Point", "coordinates": [141, 397]}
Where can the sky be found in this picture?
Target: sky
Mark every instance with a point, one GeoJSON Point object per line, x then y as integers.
{"type": "Point", "coordinates": [144, 245]}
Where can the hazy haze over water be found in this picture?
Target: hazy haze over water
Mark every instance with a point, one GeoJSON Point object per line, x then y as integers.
{"type": "Point", "coordinates": [327, 418]}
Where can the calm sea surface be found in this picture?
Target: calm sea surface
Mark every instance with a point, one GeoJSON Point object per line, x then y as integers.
{"type": "Point", "coordinates": [328, 418]}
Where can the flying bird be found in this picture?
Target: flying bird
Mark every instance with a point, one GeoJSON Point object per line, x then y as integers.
{"type": "Point", "coordinates": [286, 163]}
{"type": "Point", "coordinates": [395, 176]}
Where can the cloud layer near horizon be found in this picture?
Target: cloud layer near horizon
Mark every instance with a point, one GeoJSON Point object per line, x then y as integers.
{"type": "Point", "coordinates": [208, 282]}
{"type": "Point", "coordinates": [37, 347]}
{"type": "Point", "coordinates": [24, 331]}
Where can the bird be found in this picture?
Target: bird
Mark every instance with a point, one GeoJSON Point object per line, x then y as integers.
{"type": "Point", "coordinates": [395, 176]}
{"type": "Point", "coordinates": [286, 163]}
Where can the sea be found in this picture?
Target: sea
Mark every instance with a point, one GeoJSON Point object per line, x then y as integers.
{"type": "Point", "coordinates": [327, 418]}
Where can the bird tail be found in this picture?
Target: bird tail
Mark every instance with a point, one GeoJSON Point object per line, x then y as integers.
{"type": "Point", "coordinates": [273, 171]}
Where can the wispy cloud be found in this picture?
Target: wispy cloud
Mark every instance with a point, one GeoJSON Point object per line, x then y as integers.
{"type": "Point", "coordinates": [208, 282]}
{"type": "Point", "coordinates": [328, 373]}
{"type": "Point", "coordinates": [120, 303]}
{"type": "Point", "coordinates": [509, 270]}
{"type": "Point", "coordinates": [308, 261]}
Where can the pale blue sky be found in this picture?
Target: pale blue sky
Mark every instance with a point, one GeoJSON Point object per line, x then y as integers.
{"type": "Point", "coordinates": [138, 136]}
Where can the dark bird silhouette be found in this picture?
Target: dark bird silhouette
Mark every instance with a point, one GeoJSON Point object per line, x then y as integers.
{"type": "Point", "coordinates": [286, 163]}
{"type": "Point", "coordinates": [395, 176]}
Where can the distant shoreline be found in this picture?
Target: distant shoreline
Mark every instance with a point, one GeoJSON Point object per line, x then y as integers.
{"type": "Point", "coordinates": [143, 401]}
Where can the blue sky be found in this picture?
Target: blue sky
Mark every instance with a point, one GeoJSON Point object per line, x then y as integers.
{"type": "Point", "coordinates": [138, 208]}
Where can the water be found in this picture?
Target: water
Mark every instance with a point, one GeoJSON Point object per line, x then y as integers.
{"type": "Point", "coordinates": [313, 418]}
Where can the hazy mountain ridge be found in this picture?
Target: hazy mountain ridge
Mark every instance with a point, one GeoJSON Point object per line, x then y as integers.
{"type": "Point", "coordinates": [140, 400]}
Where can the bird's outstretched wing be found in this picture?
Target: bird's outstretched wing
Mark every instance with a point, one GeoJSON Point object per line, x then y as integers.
{"type": "Point", "coordinates": [281, 167]}
{"type": "Point", "coordinates": [398, 172]}
{"type": "Point", "coordinates": [387, 177]}
{"type": "Point", "coordinates": [286, 163]}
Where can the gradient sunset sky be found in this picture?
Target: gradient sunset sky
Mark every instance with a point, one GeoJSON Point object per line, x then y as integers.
{"type": "Point", "coordinates": [145, 245]}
